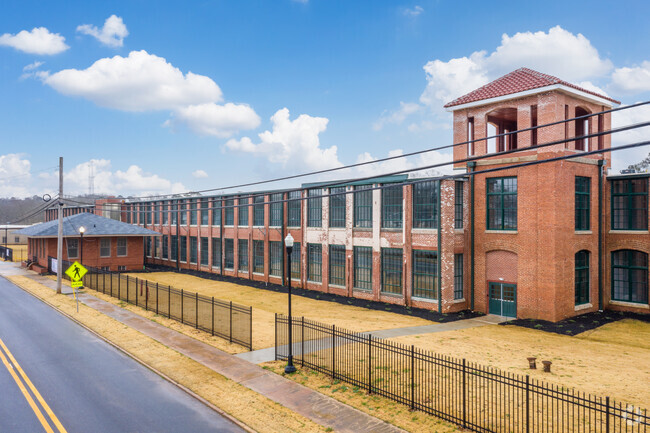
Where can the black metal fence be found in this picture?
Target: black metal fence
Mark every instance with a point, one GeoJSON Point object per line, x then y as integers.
{"type": "Point", "coordinates": [475, 397]}
{"type": "Point", "coordinates": [224, 319]}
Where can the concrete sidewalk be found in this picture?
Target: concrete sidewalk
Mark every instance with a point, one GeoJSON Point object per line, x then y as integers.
{"type": "Point", "coordinates": [311, 404]}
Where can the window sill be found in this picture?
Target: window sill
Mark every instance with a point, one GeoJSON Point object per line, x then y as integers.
{"type": "Point", "coordinates": [362, 229]}
{"type": "Point", "coordinates": [337, 286]}
{"type": "Point", "coordinates": [315, 282]}
{"type": "Point", "coordinates": [425, 231]}
{"type": "Point", "coordinates": [503, 232]}
{"type": "Point", "coordinates": [458, 301]}
{"type": "Point", "coordinates": [391, 230]}
{"type": "Point", "coordinates": [392, 295]}
{"type": "Point", "coordinates": [630, 304]}
{"type": "Point", "coordinates": [628, 232]}
{"type": "Point", "coordinates": [583, 307]}
{"type": "Point", "coordinates": [431, 301]}
{"type": "Point", "coordinates": [357, 289]}
{"type": "Point", "coordinates": [337, 228]}
{"type": "Point", "coordinates": [459, 231]}
{"type": "Point", "coordinates": [226, 269]}
{"type": "Point", "coordinates": [583, 232]}
{"type": "Point", "coordinates": [261, 274]}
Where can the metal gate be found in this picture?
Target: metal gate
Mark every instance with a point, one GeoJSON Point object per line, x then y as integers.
{"type": "Point", "coordinates": [503, 299]}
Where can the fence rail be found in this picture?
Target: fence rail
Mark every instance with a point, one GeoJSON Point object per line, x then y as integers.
{"type": "Point", "coordinates": [475, 397]}
{"type": "Point", "coordinates": [224, 319]}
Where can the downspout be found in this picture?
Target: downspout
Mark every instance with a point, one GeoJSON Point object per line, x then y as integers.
{"type": "Point", "coordinates": [472, 166]}
{"type": "Point", "coordinates": [178, 236]}
{"type": "Point", "coordinates": [600, 235]}
{"type": "Point", "coordinates": [282, 230]}
{"type": "Point", "coordinates": [439, 248]}
{"type": "Point", "coordinates": [223, 215]}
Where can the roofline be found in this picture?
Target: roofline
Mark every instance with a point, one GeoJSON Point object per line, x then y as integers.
{"type": "Point", "coordinates": [584, 95]}
{"type": "Point", "coordinates": [91, 236]}
{"type": "Point", "coordinates": [628, 176]}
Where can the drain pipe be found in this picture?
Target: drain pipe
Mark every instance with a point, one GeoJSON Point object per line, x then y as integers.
{"type": "Point", "coordinates": [439, 248]}
{"type": "Point", "coordinates": [221, 243]}
{"type": "Point", "coordinates": [472, 166]}
{"type": "Point", "coordinates": [600, 235]}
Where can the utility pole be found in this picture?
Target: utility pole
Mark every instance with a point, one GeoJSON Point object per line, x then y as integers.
{"type": "Point", "coordinates": [59, 243]}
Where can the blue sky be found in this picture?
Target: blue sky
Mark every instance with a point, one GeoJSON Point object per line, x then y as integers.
{"type": "Point", "coordinates": [176, 96]}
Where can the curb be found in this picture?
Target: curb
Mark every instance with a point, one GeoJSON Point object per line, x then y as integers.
{"type": "Point", "coordinates": [191, 393]}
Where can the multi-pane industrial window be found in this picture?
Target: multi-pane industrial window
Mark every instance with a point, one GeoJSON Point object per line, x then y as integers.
{"type": "Point", "coordinates": [582, 277]}
{"type": "Point", "coordinates": [502, 203]}
{"type": "Point", "coordinates": [149, 211]}
{"type": "Point", "coordinates": [391, 207]}
{"type": "Point", "coordinates": [174, 213]}
{"type": "Point", "coordinates": [295, 261]}
{"type": "Point", "coordinates": [583, 189]}
{"type": "Point", "coordinates": [242, 220]}
{"type": "Point", "coordinates": [293, 209]}
{"type": "Point", "coordinates": [216, 212]}
{"type": "Point", "coordinates": [363, 206]}
{"type": "Point", "coordinates": [183, 242]}
{"type": "Point", "coordinates": [337, 265]}
{"type": "Point", "coordinates": [337, 207]}
{"type": "Point", "coordinates": [194, 247]}
{"type": "Point", "coordinates": [425, 274]}
{"type": "Point", "coordinates": [630, 276]}
{"type": "Point", "coordinates": [391, 270]}
{"type": "Point", "coordinates": [156, 247]}
{"type": "Point", "coordinates": [458, 204]}
{"type": "Point", "coordinates": [141, 221]}
{"type": "Point", "coordinates": [105, 247]}
{"type": "Point", "coordinates": [314, 208]}
{"type": "Point", "coordinates": [147, 247]}
{"type": "Point", "coordinates": [174, 248]}
{"type": "Point", "coordinates": [73, 248]}
{"type": "Point", "coordinates": [165, 213]}
{"type": "Point", "coordinates": [242, 255]}
{"type": "Point", "coordinates": [165, 246]}
{"type": "Point", "coordinates": [315, 262]}
{"type": "Point", "coordinates": [205, 214]}
{"type": "Point", "coordinates": [204, 251]}
{"type": "Point", "coordinates": [258, 257]}
{"type": "Point", "coordinates": [229, 254]}
{"type": "Point", "coordinates": [458, 276]}
{"type": "Point", "coordinates": [425, 205]}
{"type": "Point", "coordinates": [258, 211]}
{"type": "Point", "coordinates": [156, 214]}
{"type": "Point", "coordinates": [276, 210]}
{"type": "Point", "coordinates": [182, 212]}
{"type": "Point", "coordinates": [230, 212]}
{"type": "Point", "coordinates": [193, 212]}
{"type": "Point", "coordinates": [363, 268]}
{"type": "Point", "coordinates": [121, 247]}
{"type": "Point", "coordinates": [216, 253]}
{"type": "Point", "coordinates": [275, 256]}
{"type": "Point", "coordinates": [630, 204]}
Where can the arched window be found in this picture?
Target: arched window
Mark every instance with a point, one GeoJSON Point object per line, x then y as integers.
{"type": "Point", "coordinates": [502, 121]}
{"type": "Point", "coordinates": [630, 276]}
{"type": "Point", "coordinates": [582, 277]}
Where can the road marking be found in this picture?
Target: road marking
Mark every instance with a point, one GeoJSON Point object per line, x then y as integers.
{"type": "Point", "coordinates": [13, 365]}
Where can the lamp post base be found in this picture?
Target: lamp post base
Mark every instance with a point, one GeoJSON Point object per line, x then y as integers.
{"type": "Point", "coordinates": [290, 368]}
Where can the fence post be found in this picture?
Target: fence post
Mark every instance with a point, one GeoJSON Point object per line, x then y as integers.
{"type": "Point", "coordinates": [136, 291]}
{"type": "Point", "coordinates": [169, 302]}
{"type": "Point", "coordinates": [302, 341]}
{"type": "Point", "coordinates": [111, 284]}
{"type": "Point", "coordinates": [119, 279]}
{"type": "Point", "coordinates": [127, 289]}
{"type": "Point", "coordinates": [182, 305]}
{"type": "Point", "coordinates": [606, 414]}
{"type": "Point", "coordinates": [146, 295]}
{"type": "Point", "coordinates": [276, 336]}
{"type": "Point", "coordinates": [231, 321]}
{"type": "Point", "coordinates": [250, 328]}
{"type": "Point", "coordinates": [333, 352]}
{"type": "Point", "coordinates": [464, 394]}
{"type": "Point", "coordinates": [369, 364]}
{"type": "Point", "coordinates": [104, 283]}
{"type": "Point", "coordinates": [412, 377]}
{"type": "Point", "coordinates": [157, 294]}
{"type": "Point", "coordinates": [213, 316]}
{"type": "Point", "coordinates": [197, 310]}
{"type": "Point", "coordinates": [527, 404]}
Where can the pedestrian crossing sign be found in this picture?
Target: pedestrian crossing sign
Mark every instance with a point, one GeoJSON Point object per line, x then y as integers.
{"type": "Point", "coordinates": [76, 273]}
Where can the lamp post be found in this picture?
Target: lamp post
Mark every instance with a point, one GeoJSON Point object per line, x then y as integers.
{"type": "Point", "coordinates": [82, 230]}
{"type": "Point", "coordinates": [288, 242]}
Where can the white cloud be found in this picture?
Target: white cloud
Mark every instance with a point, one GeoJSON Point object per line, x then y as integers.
{"type": "Point", "coordinates": [417, 10]}
{"type": "Point", "coordinates": [32, 66]}
{"type": "Point", "coordinates": [199, 174]}
{"type": "Point", "coordinates": [632, 80]}
{"type": "Point", "coordinates": [291, 143]}
{"type": "Point", "coordinates": [15, 175]}
{"type": "Point", "coordinates": [406, 163]}
{"type": "Point", "coordinates": [112, 34]}
{"type": "Point", "coordinates": [623, 158]}
{"type": "Point", "coordinates": [397, 116]}
{"type": "Point", "coordinates": [216, 120]}
{"type": "Point", "coordinates": [139, 82]}
{"type": "Point", "coordinates": [383, 167]}
{"type": "Point", "coordinates": [37, 41]}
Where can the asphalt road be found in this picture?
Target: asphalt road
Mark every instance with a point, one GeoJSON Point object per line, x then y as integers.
{"type": "Point", "coordinates": [88, 385]}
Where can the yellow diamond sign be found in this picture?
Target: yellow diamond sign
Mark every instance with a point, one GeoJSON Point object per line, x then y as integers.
{"type": "Point", "coordinates": [76, 272]}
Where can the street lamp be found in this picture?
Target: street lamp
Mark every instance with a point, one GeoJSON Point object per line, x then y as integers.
{"type": "Point", "coordinates": [82, 230]}
{"type": "Point", "coordinates": [288, 242]}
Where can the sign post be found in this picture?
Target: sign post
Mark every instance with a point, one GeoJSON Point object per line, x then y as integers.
{"type": "Point", "coordinates": [76, 272]}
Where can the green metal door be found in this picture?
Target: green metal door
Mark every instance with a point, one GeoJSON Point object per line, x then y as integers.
{"type": "Point", "coordinates": [503, 299]}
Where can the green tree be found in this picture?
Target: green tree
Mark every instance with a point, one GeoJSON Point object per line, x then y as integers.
{"type": "Point", "coordinates": [641, 166]}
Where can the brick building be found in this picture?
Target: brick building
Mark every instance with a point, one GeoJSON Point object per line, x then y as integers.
{"type": "Point", "coordinates": [545, 241]}
{"type": "Point", "coordinates": [106, 243]}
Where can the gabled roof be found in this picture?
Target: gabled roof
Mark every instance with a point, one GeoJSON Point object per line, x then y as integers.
{"type": "Point", "coordinates": [521, 80]}
{"type": "Point", "coordinates": [95, 225]}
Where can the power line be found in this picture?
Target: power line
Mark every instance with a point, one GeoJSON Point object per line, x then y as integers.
{"type": "Point", "coordinates": [31, 214]}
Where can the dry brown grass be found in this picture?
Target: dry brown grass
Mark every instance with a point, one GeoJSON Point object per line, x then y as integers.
{"type": "Point", "coordinates": [266, 303]}
{"type": "Point", "coordinates": [379, 407]}
{"type": "Point", "coordinates": [613, 360]}
{"type": "Point", "coordinates": [255, 410]}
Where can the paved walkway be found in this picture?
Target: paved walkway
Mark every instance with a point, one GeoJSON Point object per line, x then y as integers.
{"type": "Point", "coordinates": [311, 404]}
